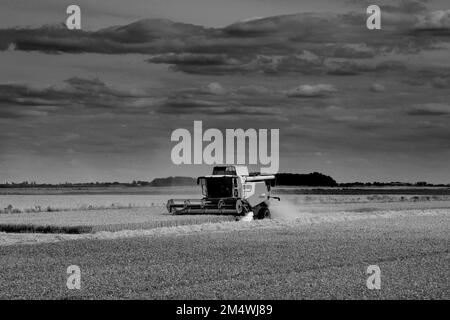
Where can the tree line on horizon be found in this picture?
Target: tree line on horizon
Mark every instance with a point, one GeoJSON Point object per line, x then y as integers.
{"type": "Point", "coordinates": [314, 179]}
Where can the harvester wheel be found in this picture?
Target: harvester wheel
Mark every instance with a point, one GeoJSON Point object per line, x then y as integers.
{"type": "Point", "coordinates": [263, 213]}
{"type": "Point", "coordinates": [239, 207]}
{"type": "Point", "coordinates": [170, 207]}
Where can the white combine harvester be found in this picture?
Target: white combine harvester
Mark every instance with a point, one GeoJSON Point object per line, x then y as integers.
{"type": "Point", "coordinates": [229, 190]}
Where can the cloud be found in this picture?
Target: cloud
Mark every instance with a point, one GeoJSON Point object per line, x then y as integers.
{"type": "Point", "coordinates": [216, 89]}
{"type": "Point", "coordinates": [16, 114]}
{"type": "Point", "coordinates": [347, 68]}
{"type": "Point", "coordinates": [187, 105]}
{"type": "Point", "coordinates": [217, 99]}
{"type": "Point", "coordinates": [306, 63]}
{"type": "Point", "coordinates": [287, 43]}
{"type": "Point", "coordinates": [437, 77]}
{"type": "Point", "coordinates": [266, 64]}
{"type": "Point", "coordinates": [441, 82]}
{"type": "Point", "coordinates": [308, 91]}
{"type": "Point", "coordinates": [91, 98]}
{"type": "Point", "coordinates": [70, 97]}
{"type": "Point", "coordinates": [202, 59]}
{"type": "Point", "coordinates": [254, 90]}
{"type": "Point", "coordinates": [394, 6]}
{"type": "Point", "coordinates": [434, 20]}
{"type": "Point", "coordinates": [212, 90]}
{"type": "Point", "coordinates": [237, 76]}
{"type": "Point", "coordinates": [377, 87]}
{"type": "Point", "coordinates": [430, 109]}
{"type": "Point", "coordinates": [349, 51]}
{"type": "Point", "coordinates": [191, 106]}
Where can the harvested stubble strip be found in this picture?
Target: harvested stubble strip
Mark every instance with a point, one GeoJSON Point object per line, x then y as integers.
{"type": "Point", "coordinates": [191, 220]}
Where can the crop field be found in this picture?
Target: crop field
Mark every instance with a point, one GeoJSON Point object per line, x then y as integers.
{"type": "Point", "coordinates": [90, 213]}
{"type": "Point", "coordinates": [315, 246]}
{"type": "Point", "coordinates": [81, 213]}
{"type": "Point", "coordinates": [257, 260]}
{"type": "Point", "coordinates": [63, 202]}
{"type": "Point", "coordinates": [99, 220]}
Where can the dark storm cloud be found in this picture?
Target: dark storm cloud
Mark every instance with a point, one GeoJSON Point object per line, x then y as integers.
{"type": "Point", "coordinates": [144, 36]}
{"type": "Point", "coordinates": [273, 44]}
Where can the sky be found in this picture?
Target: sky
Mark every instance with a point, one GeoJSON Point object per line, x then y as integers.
{"type": "Point", "coordinates": [100, 104]}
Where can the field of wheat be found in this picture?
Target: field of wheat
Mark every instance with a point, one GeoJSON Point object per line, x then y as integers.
{"type": "Point", "coordinates": [323, 258]}
{"type": "Point", "coordinates": [91, 221]}
{"type": "Point", "coordinates": [18, 203]}
{"type": "Point", "coordinates": [90, 213]}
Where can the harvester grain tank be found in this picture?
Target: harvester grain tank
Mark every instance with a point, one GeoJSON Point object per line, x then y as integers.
{"type": "Point", "coordinates": [230, 190]}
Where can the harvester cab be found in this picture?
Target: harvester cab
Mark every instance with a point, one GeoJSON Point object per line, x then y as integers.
{"type": "Point", "coordinates": [229, 190]}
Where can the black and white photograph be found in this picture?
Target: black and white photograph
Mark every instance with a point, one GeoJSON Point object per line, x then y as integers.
{"type": "Point", "coordinates": [223, 155]}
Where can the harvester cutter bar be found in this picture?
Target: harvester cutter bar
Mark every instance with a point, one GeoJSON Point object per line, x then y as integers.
{"type": "Point", "coordinates": [219, 206]}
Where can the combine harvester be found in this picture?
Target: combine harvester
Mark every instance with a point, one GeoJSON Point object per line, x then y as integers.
{"type": "Point", "coordinates": [230, 190]}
